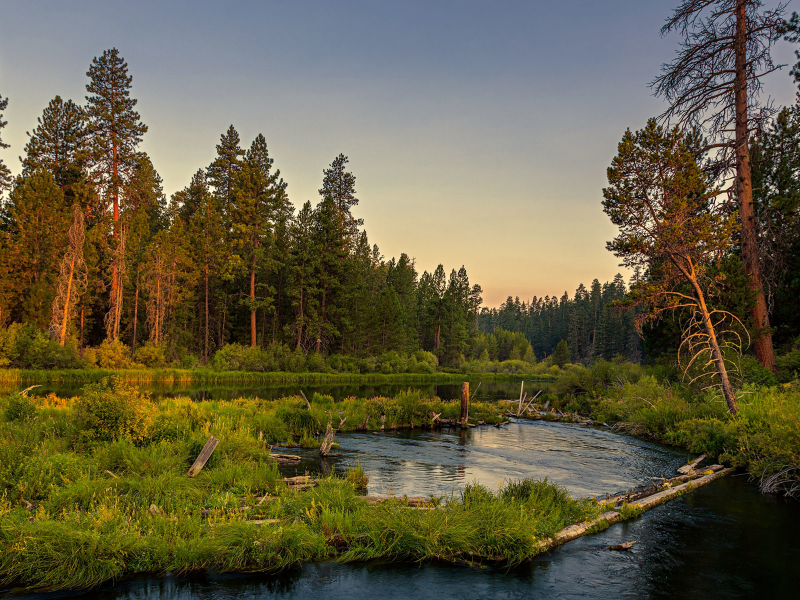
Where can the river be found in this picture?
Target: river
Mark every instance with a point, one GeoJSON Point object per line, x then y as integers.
{"type": "Point", "coordinates": [724, 540]}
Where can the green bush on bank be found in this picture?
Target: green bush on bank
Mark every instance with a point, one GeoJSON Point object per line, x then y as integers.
{"type": "Point", "coordinates": [764, 437]}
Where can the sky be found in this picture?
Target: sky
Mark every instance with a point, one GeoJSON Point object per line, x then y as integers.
{"type": "Point", "coordinates": [479, 132]}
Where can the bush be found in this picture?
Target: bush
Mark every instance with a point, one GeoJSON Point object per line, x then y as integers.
{"type": "Point", "coordinates": [151, 355]}
{"type": "Point", "coordinates": [114, 355]}
{"type": "Point", "coordinates": [20, 408]}
{"type": "Point", "coordinates": [110, 409]}
{"type": "Point", "coordinates": [26, 347]}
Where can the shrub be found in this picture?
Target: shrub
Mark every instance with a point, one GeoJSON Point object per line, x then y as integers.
{"type": "Point", "coordinates": [110, 409]}
{"type": "Point", "coordinates": [114, 355]}
{"type": "Point", "coordinates": [26, 347]}
{"type": "Point", "coordinates": [151, 355]}
{"type": "Point", "coordinates": [20, 408]}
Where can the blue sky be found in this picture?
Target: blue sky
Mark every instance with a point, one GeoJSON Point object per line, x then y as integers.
{"type": "Point", "coordinates": [479, 132]}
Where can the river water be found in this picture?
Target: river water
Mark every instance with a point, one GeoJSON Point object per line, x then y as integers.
{"type": "Point", "coordinates": [724, 540]}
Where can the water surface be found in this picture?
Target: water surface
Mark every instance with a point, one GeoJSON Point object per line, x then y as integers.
{"type": "Point", "coordinates": [723, 541]}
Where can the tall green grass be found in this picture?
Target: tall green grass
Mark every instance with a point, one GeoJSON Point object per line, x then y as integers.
{"type": "Point", "coordinates": [105, 500]}
{"type": "Point", "coordinates": [185, 376]}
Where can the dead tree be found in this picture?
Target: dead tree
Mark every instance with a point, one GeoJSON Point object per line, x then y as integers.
{"type": "Point", "coordinates": [713, 84]}
{"type": "Point", "coordinates": [672, 227]}
{"type": "Point", "coordinates": [72, 279]}
{"type": "Point", "coordinates": [114, 314]}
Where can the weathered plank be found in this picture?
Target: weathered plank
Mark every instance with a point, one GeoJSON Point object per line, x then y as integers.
{"type": "Point", "coordinates": [203, 457]}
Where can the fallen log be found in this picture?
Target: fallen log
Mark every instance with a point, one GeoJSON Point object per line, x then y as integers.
{"type": "Point", "coordinates": [625, 546]}
{"type": "Point", "coordinates": [688, 468]}
{"type": "Point", "coordinates": [633, 495]}
{"type": "Point", "coordinates": [610, 517]}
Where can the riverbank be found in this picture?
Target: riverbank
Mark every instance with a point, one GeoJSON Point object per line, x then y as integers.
{"type": "Point", "coordinates": [763, 437]}
{"type": "Point", "coordinates": [95, 488]}
{"type": "Point", "coordinates": [210, 376]}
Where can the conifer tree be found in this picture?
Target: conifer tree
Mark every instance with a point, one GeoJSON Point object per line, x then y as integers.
{"type": "Point", "coordinates": [38, 222]}
{"type": "Point", "coordinates": [340, 185]}
{"type": "Point", "coordinates": [221, 173]}
{"type": "Point", "coordinates": [115, 132]}
{"type": "Point", "coordinates": [259, 194]}
{"type": "Point", "coordinates": [205, 229]}
{"type": "Point", "coordinates": [302, 273]}
{"type": "Point", "coordinates": [5, 172]}
{"type": "Point", "coordinates": [59, 144]}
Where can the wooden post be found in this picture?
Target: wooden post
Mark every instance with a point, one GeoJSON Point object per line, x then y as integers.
{"type": "Point", "coordinates": [464, 402]}
{"type": "Point", "coordinates": [203, 457]}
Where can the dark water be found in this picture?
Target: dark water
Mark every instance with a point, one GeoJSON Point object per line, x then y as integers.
{"type": "Point", "coordinates": [723, 541]}
{"type": "Point", "coordinates": [488, 391]}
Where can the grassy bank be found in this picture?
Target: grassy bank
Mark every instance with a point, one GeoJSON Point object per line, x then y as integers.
{"type": "Point", "coordinates": [95, 488]}
{"type": "Point", "coordinates": [763, 438]}
{"type": "Point", "coordinates": [187, 376]}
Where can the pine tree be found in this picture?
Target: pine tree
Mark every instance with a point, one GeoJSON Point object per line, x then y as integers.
{"type": "Point", "coordinates": [340, 185]}
{"type": "Point", "coordinates": [259, 194]}
{"type": "Point", "coordinates": [59, 144]}
{"type": "Point", "coordinates": [39, 221]}
{"type": "Point", "coordinates": [221, 174]}
{"type": "Point", "coordinates": [115, 132]}
{"type": "Point", "coordinates": [561, 355]}
{"type": "Point", "coordinates": [206, 230]}
{"type": "Point", "coordinates": [302, 288]}
{"type": "Point", "coordinates": [5, 172]}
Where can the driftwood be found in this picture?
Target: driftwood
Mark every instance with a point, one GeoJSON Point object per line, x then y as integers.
{"type": "Point", "coordinates": [308, 404]}
{"type": "Point", "coordinates": [633, 495]}
{"type": "Point", "coordinates": [24, 392]}
{"type": "Point", "coordinates": [609, 518]}
{"type": "Point", "coordinates": [625, 546]}
{"type": "Point", "coordinates": [327, 441]}
{"type": "Point", "coordinates": [688, 468]}
{"type": "Point", "coordinates": [203, 457]}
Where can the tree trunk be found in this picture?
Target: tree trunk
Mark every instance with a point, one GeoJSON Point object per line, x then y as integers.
{"type": "Point", "coordinates": [716, 353]}
{"type": "Point", "coordinates": [744, 192]}
{"type": "Point", "coordinates": [81, 341]}
{"type": "Point", "coordinates": [300, 329]}
{"type": "Point", "coordinates": [135, 312]}
{"type": "Point", "coordinates": [319, 327]}
{"type": "Point", "coordinates": [63, 333]}
{"type": "Point", "coordinates": [252, 304]}
{"type": "Point", "coordinates": [205, 343]}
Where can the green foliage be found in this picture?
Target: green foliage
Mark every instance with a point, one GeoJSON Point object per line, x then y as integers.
{"type": "Point", "coordinates": [110, 409]}
{"type": "Point", "coordinates": [150, 355]}
{"type": "Point", "coordinates": [111, 355]}
{"type": "Point", "coordinates": [27, 347]}
{"type": "Point", "coordinates": [561, 355]}
{"type": "Point", "coordinates": [20, 407]}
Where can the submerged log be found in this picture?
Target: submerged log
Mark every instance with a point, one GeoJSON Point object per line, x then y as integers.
{"type": "Point", "coordinates": [625, 546]}
{"type": "Point", "coordinates": [203, 457]}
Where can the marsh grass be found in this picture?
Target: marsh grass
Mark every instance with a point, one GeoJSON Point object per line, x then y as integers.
{"type": "Point", "coordinates": [210, 376]}
{"type": "Point", "coordinates": [77, 510]}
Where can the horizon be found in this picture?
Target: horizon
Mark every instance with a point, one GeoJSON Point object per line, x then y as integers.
{"type": "Point", "coordinates": [470, 146]}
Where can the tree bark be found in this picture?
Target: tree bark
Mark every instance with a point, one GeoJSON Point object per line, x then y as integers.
{"type": "Point", "coordinates": [205, 344]}
{"type": "Point", "coordinates": [744, 191]}
{"type": "Point", "coordinates": [252, 301]}
{"type": "Point", "coordinates": [135, 312]}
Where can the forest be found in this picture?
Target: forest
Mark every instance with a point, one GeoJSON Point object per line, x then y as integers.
{"type": "Point", "coordinates": [99, 267]}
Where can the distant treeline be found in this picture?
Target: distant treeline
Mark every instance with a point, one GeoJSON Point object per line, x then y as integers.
{"type": "Point", "coordinates": [589, 322]}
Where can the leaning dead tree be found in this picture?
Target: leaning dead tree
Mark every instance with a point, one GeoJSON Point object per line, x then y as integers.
{"type": "Point", "coordinates": [114, 314]}
{"type": "Point", "coordinates": [72, 279]}
{"type": "Point", "coordinates": [714, 83]}
{"type": "Point", "coordinates": [672, 227]}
